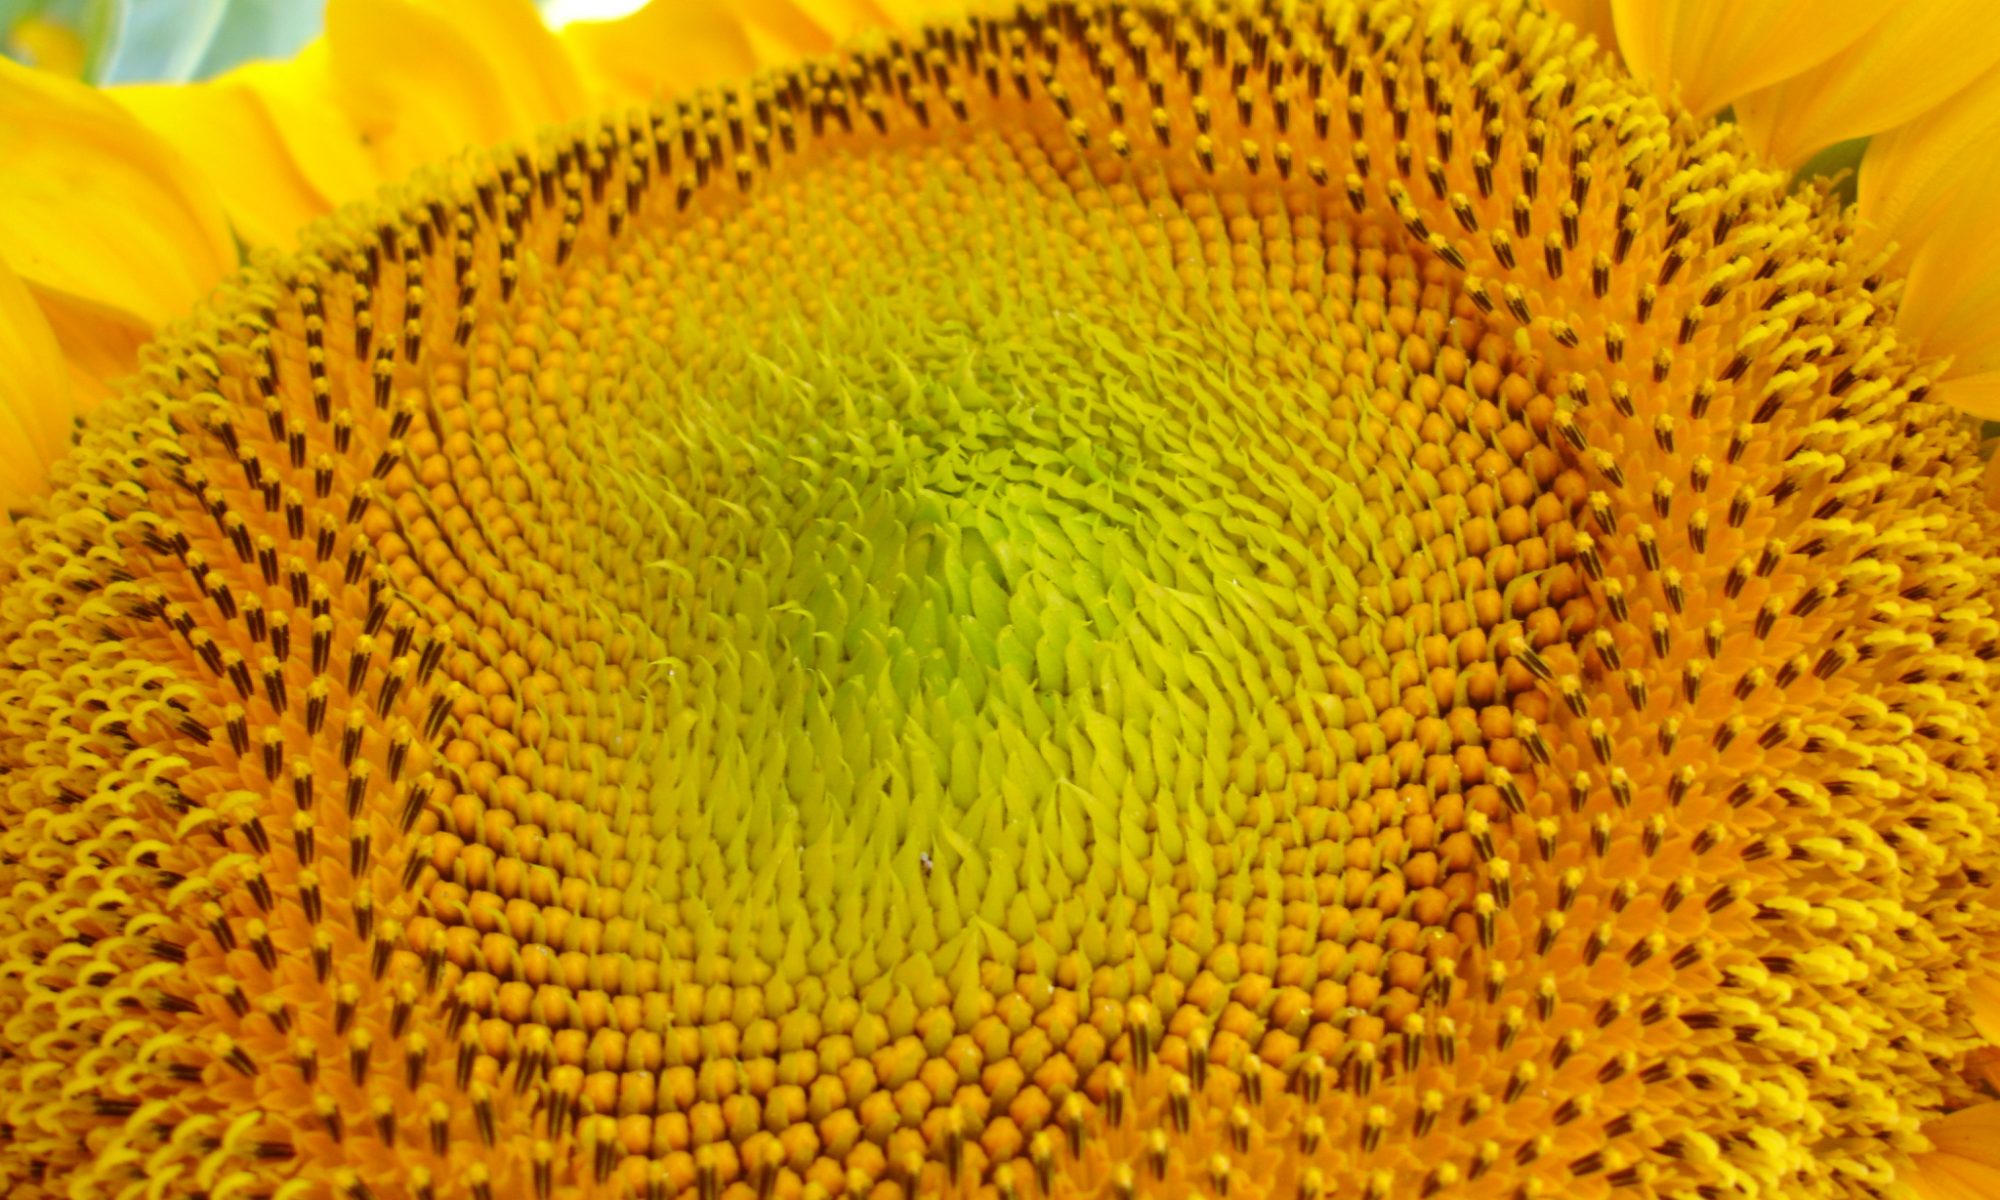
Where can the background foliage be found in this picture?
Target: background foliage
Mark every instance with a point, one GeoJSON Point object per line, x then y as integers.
{"type": "Point", "coordinates": [173, 41]}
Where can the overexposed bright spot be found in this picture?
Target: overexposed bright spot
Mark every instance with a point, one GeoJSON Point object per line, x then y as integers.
{"type": "Point", "coordinates": [559, 13]}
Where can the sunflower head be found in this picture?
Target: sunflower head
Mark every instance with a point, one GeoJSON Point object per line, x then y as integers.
{"type": "Point", "coordinates": [1114, 599]}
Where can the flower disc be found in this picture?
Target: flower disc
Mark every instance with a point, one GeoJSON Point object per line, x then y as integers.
{"type": "Point", "coordinates": [1128, 599]}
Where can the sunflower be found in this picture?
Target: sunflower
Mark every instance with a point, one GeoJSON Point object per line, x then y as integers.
{"type": "Point", "coordinates": [1106, 599]}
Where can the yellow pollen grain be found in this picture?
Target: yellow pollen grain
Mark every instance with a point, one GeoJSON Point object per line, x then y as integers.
{"type": "Point", "coordinates": [1132, 599]}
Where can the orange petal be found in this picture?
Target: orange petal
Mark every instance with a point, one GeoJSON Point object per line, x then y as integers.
{"type": "Point", "coordinates": [34, 394]}
{"type": "Point", "coordinates": [99, 209]}
{"type": "Point", "coordinates": [423, 79]}
{"type": "Point", "coordinates": [1965, 1161]}
{"type": "Point", "coordinates": [226, 132]}
{"type": "Point", "coordinates": [1710, 52]}
{"type": "Point", "coordinates": [1903, 67]}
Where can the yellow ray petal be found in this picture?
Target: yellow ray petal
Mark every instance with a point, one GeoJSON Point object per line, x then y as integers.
{"type": "Point", "coordinates": [1592, 17]}
{"type": "Point", "coordinates": [48, 46]}
{"type": "Point", "coordinates": [673, 46]}
{"type": "Point", "coordinates": [842, 19]}
{"type": "Point", "coordinates": [1965, 1165]}
{"type": "Point", "coordinates": [1978, 394]}
{"type": "Point", "coordinates": [1903, 67]}
{"type": "Point", "coordinates": [1914, 171]}
{"type": "Point", "coordinates": [34, 394]}
{"type": "Point", "coordinates": [225, 131]}
{"type": "Point", "coordinates": [1953, 302]}
{"type": "Point", "coordinates": [423, 79]}
{"type": "Point", "coordinates": [97, 208]}
{"type": "Point", "coordinates": [664, 48]}
{"type": "Point", "coordinates": [1924, 187]}
{"type": "Point", "coordinates": [1710, 52]}
{"type": "Point", "coordinates": [540, 78]}
{"type": "Point", "coordinates": [784, 31]}
{"type": "Point", "coordinates": [298, 98]}
{"type": "Point", "coordinates": [99, 346]}
{"type": "Point", "coordinates": [1984, 995]}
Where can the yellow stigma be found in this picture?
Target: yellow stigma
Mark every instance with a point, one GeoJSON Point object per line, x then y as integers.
{"type": "Point", "coordinates": [1135, 599]}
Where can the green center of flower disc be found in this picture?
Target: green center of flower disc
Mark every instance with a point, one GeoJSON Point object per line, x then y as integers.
{"type": "Point", "coordinates": [1118, 600]}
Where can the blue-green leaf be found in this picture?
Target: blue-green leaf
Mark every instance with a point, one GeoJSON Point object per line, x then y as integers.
{"type": "Point", "coordinates": [262, 29]}
{"type": "Point", "coordinates": [173, 41]}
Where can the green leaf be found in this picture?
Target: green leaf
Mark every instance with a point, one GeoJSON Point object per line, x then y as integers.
{"type": "Point", "coordinates": [1840, 161]}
